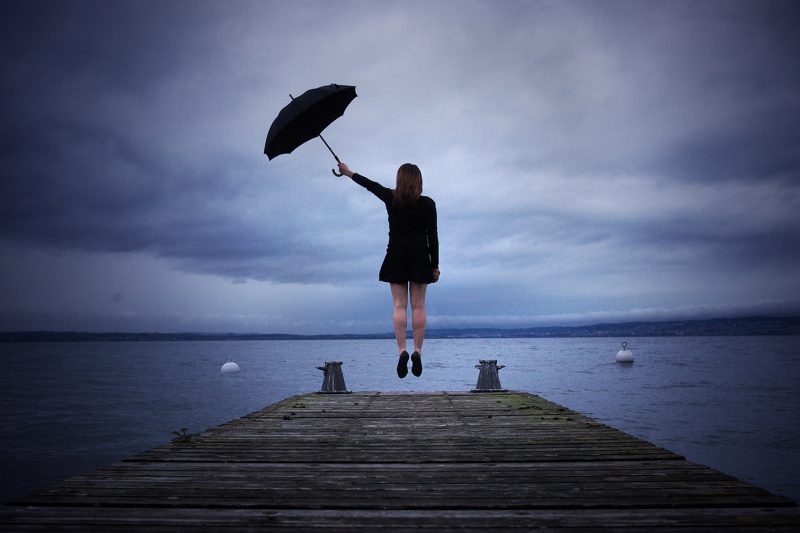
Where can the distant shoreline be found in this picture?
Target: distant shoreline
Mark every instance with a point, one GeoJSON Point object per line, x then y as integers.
{"type": "Point", "coordinates": [744, 326]}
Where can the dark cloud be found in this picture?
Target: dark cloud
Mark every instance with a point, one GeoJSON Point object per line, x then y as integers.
{"type": "Point", "coordinates": [91, 163]}
{"type": "Point", "coordinates": [701, 91]}
{"type": "Point", "coordinates": [118, 45]}
{"type": "Point", "coordinates": [768, 148]}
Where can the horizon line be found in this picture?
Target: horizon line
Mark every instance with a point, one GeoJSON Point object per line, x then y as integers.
{"type": "Point", "coordinates": [478, 328]}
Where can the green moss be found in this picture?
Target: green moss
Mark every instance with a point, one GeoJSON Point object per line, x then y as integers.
{"type": "Point", "coordinates": [182, 437]}
{"type": "Point", "coordinates": [520, 401]}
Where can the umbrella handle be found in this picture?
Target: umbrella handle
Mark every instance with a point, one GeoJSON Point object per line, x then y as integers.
{"type": "Point", "coordinates": [337, 174]}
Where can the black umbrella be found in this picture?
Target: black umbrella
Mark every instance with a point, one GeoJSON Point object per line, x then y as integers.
{"type": "Point", "coordinates": [306, 117]}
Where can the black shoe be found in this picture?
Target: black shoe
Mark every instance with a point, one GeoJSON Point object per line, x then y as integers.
{"type": "Point", "coordinates": [402, 365]}
{"type": "Point", "coordinates": [416, 364]}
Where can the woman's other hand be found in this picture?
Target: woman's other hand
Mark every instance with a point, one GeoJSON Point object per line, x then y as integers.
{"type": "Point", "coordinates": [344, 169]}
{"type": "Point", "coordinates": [436, 275]}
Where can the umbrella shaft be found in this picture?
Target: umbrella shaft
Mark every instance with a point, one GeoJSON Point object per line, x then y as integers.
{"type": "Point", "coordinates": [329, 148]}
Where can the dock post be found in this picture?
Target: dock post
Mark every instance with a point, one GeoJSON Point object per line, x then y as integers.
{"type": "Point", "coordinates": [488, 377]}
{"type": "Point", "coordinates": [333, 382]}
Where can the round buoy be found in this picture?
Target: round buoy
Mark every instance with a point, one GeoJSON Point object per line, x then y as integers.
{"type": "Point", "coordinates": [624, 355]}
{"type": "Point", "coordinates": [229, 368]}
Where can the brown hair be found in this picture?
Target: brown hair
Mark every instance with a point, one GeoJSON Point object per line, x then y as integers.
{"type": "Point", "coordinates": [409, 185]}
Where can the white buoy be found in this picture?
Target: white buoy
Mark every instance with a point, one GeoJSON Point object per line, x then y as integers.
{"type": "Point", "coordinates": [229, 368]}
{"type": "Point", "coordinates": [624, 355]}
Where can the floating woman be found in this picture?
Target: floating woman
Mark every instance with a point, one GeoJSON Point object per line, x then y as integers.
{"type": "Point", "coordinates": [412, 255]}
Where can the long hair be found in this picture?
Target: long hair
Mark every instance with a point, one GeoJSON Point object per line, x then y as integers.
{"type": "Point", "coordinates": [409, 185]}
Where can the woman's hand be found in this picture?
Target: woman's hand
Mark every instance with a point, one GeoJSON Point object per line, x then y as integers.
{"type": "Point", "coordinates": [344, 169]}
{"type": "Point", "coordinates": [436, 275]}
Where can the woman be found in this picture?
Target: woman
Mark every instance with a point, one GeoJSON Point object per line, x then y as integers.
{"type": "Point", "coordinates": [412, 256]}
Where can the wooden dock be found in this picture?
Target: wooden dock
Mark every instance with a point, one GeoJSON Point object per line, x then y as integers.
{"type": "Point", "coordinates": [403, 462]}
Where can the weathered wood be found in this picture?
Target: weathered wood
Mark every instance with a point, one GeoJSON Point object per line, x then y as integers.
{"type": "Point", "coordinates": [405, 462]}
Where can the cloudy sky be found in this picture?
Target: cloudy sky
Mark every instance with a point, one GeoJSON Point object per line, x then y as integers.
{"type": "Point", "coordinates": [591, 161]}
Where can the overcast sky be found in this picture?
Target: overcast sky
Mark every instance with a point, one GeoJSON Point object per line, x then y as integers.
{"type": "Point", "coordinates": [591, 161]}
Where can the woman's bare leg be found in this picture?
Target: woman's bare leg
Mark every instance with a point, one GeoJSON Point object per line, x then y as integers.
{"type": "Point", "coordinates": [400, 313]}
{"type": "Point", "coordinates": [418, 316]}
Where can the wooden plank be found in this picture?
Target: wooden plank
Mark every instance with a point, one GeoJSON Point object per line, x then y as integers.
{"type": "Point", "coordinates": [214, 520]}
{"type": "Point", "coordinates": [405, 462]}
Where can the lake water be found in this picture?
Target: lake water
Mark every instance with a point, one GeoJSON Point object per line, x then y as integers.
{"type": "Point", "coordinates": [732, 403]}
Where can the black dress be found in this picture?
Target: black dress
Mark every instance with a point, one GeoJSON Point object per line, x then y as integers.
{"type": "Point", "coordinates": [413, 250]}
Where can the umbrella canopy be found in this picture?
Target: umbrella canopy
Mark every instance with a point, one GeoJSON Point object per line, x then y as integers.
{"type": "Point", "coordinates": [306, 117]}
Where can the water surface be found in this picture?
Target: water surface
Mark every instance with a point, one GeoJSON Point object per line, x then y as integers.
{"type": "Point", "coordinates": [732, 403]}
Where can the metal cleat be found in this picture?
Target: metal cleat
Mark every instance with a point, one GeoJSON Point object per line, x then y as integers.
{"type": "Point", "coordinates": [488, 378]}
{"type": "Point", "coordinates": [333, 382]}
